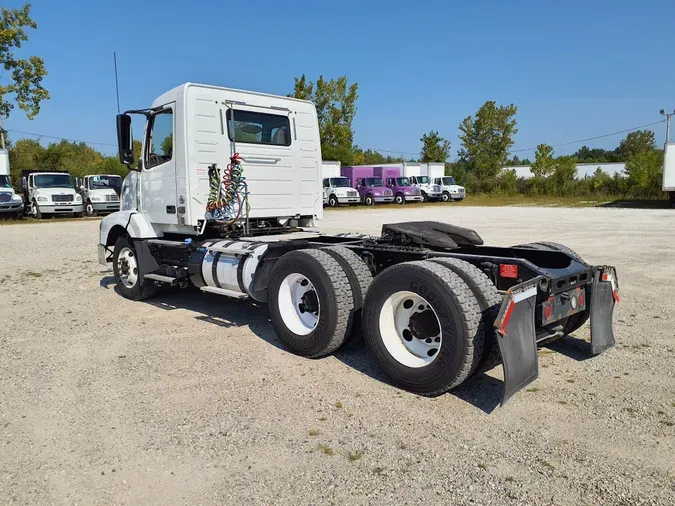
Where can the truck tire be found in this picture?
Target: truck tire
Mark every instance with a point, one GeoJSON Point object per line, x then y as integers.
{"type": "Point", "coordinates": [576, 321]}
{"type": "Point", "coordinates": [359, 277]}
{"type": "Point", "coordinates": [368, 200]}
{"type": "Point", "coordinates": [125, 269]}
{"type": "Point", "coordinates": [489, 301]}
{"type": "Point", "coordinates": [446, 197]}
{"type": "Point", "coordinates": [36, 211]}
{"type": "Point", "coordinates": [89, 209]}
{"type": "Point", "coordinates": [310, 302]}
{"type": "Point", "coordinates": [423, 324]}
{"type": "Point", "coordinates": [424, 197]}
{"type": "Point", "coordinates": [333, 201]}
{"type": "Point", "coordinates": [399, 198]}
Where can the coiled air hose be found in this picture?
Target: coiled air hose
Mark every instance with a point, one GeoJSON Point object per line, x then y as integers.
{"type": "Point", "coordinates": [228, 194]}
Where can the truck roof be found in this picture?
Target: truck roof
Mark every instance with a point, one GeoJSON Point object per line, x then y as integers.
{"type": "Point", "coordinates": [25, 173]}
{"type": "Point", "coordinates": [181, 90]}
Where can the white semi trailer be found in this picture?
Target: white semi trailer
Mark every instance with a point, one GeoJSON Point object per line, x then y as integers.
{"type": "Point", "coordinates": [669, 172]}
{"type": "Point", "coordinates": [10, 202]}
{"type": "Point", "coordinates": [226, 177]}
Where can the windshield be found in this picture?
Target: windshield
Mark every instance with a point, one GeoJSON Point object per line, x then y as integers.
{"type": "Point", "coordinates": [4, 182]}
{"type": "Point", "coordinates": [402, 181]}
{"type": "Point", "coordinates": [104, 182]}
{"type": "Point", "coordinates": [448, 180]}
{"type": "Point", "coordinates": [53, 181]}
{"type": "Point", "coordinates": [374, 181]}
{"type": "Point", "coordinates": [422, 179]}
{"type": "Point", "coordinates": [339, 182]}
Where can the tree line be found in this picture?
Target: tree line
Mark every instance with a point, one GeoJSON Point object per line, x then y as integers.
{"type": "Point", "coordinates": [486, 139]}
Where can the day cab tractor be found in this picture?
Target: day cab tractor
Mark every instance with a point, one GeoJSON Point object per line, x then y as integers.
{"type": "Point", "coordinates": [227, 179]}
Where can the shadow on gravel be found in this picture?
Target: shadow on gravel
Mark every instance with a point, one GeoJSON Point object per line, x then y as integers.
{"type": "Point", "coordinates": [637, 204]}
{"type": "Point", "coordinates": [107, 281]}
{"type": "Point", "coordinates": [482, 391]}
{"type": "Point", "coordinates": [576, 349]}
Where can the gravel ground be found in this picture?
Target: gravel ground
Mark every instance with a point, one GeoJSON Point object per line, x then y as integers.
{"type": "Point", "coordinates": [190, 399]}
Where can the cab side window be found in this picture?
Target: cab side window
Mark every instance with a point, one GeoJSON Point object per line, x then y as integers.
{"type": "Point", "coordinates": [160, 145]}
{"type": "Point", "coordinates": [325, 183]}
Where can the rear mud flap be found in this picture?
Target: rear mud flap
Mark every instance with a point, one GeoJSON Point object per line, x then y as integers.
{"type": "Point", "coordinates": [517, 337]}
{"type": "Point", "coordinates": [604, 296]}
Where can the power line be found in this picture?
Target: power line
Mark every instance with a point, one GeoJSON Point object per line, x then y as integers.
{"type": "Point", "coordinates": [61, 138]}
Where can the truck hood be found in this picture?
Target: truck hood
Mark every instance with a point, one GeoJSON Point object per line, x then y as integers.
{"type": "Point", "coordinates": [48, 192]}
{"type": "Point", "coordinates": [378, 191]}
{"type": "Point", "coordinates": [453, 188]}
{"type": "Point", "coordinates": [12, 195]}
{"type": "Point", "coordinates": [103, 192]}
{"type": "Point", "coordinates": [341, 191]}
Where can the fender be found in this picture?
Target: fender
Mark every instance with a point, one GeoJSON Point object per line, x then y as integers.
{"type": "Point", "coordinates": [135, 224]}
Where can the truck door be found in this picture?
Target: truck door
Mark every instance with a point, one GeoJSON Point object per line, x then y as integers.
{"type": "Point", "coordinates": [158, 179]}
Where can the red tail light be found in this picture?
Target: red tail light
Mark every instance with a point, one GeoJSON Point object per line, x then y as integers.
{"type": "Point", "coordinates": [508, 271]}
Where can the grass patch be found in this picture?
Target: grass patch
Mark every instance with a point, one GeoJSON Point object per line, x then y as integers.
{"type": "Point", "coordinates": [509, 479]}
{"type": "Point", "coordinates": [314, 432]}
{"type": "Point", "coordinates": [561, 402]}
{"type": "Point", "coordinates": [322, 419]}
{"type": "Point", "coordinates": [338, 405]}
{"type": "Point", "coordinates": [32, 274]}
{"type": "Point", "coordinates": [570, 381]}
{"type": "Point", "coordinates": [533, 389]}
{"type": "Point", "coordinates": [668, 423]}
{"type": "Point", "coordinates": [326, 450]}
{"type": "Point", "coordinates": [672, 404]}
{"type": "Point", "coordinates": [659, 412]}
{"type": "Point", "coordinates": [546, 464]}
{"type": "Point", "coordinates": [545, 351]}
{"type": "Point", "coordinates": [354, 456]}
{"type": "Point", "coordinates": [482, 466]}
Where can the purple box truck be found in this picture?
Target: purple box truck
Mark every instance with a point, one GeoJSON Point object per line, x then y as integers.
{"type": "Point", "coordinates": [370, 187]}
{"type": "Point", "coordinates": [400, 186]}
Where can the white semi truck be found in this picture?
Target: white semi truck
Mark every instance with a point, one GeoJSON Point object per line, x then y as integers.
{"type": "Point", "coordinates": [100, 193]}
{"type": "Point", "coordinates": [419, 178]}
{"type": "Point", "coordinates": [226, 178]}
{"type": "Point", "coordinates": [669, 172]}
{"type": "Point", "coordinates": [450, 190]}
{"type": "Point", "coordinates": [337, 189]}
{"type": "Point", "coordinates": [10, 203]}
{"type": "Point", "coordinates": [50, 193]}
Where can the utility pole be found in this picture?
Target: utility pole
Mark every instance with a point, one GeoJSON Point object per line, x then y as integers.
{"type": "Point", "coordinates": [668, 115]}
{"type": "Point", "coordinates": [2, 135]}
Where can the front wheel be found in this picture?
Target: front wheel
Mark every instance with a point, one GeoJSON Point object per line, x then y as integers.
{"type": "Point", "coordinates": [399, 199]}
{"type": "Point", "coordinates": [369, 200]}
{"type": "Point", "coordinates": [445, 197]}
{"type": "Point", "coordinates": [89, 209]}
{"type": "Point", "coordinates": [127, 273]}
{"type": "Point", "coordinates": [35, 211]}
{"type": "Point", "coordinates": [424, 197]}
{"type": "Point", "coordinates": [333, 201]}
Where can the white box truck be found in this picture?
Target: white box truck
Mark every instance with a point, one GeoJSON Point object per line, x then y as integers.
{"type": "Point", "coordinates": [669, 172]}
{"type": "Point", "coordinates": [337, 189]}
{"type": "Point", "coordinates": [450, 190]}
{"type": "Point", "coordinates": [227, 177]}
{"type": "Point", "coordinates": [11, 204]}
{"type": "Point", "coordinates": [47, 193]}
{"type": "Point", "coordinates": [416, 172]}
{"type": "Point", "coordinates": [100, 193]}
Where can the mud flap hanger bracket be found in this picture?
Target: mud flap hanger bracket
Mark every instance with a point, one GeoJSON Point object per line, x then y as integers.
{"type": "Point", "coordinates": [516, 334]}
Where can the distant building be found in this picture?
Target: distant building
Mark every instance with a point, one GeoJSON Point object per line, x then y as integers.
{"type": "Point", "coordinates": [583, 169]}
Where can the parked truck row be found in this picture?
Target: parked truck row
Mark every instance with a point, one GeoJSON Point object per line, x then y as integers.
{"type": "Point", "coordinates": [384, 184]}
{"type": "Point", "coordinates": [48, 193]}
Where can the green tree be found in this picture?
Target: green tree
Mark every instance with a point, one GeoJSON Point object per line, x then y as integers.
{"type": "Point", "coordinates": [25, 154]}
{"type": "Point", "coordinates": [564, 173]}
{"type": "Point", "coordinates": [138, 147]}
{"type": "Point", "coordinates": [75, 157]}
{"type": "Point", "coordinates": [486, 139]}
{"type": "Point", "coordinates": [434, 148]}
{"type": "Point", "coordinates": [335, 102]}
{"type": "Point", "coordinates": [544, 164]}
{"type": "Point", "coordinates": [167, 145]}
{"type": "Point", "coordinates": [636, 143]}
{"type": "Point", "coordinates": [644, 173]}
{"type": "Point", "coordinates": [25, 75]}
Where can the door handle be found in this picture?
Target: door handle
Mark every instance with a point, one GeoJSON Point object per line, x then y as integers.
{"type": "Point", "coordinates": [261, 159]}
{"type": "Point", "coordinates": [170, 209]}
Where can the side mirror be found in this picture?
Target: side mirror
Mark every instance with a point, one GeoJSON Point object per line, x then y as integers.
{"type": "Point", "coordinates": [125, 140]}
{"type": "Point", "coordinates": [24, 184]}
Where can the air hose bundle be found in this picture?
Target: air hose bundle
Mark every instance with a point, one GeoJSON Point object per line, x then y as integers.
{"type": "Point", "coordinates": [228, 193]}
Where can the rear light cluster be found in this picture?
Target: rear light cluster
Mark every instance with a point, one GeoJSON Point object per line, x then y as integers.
{"type": "Point", "coordinates": [508, 271]}
{"type": "Point", "coordinates": [562, 305]}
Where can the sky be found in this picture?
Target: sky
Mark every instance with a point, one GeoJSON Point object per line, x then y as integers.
{"type": "Point", "coordinates": [575, 69]}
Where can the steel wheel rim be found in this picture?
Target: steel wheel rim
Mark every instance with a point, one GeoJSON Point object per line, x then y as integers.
{"type": "Point", "coordinates": [399, 199]}
{"type": "Point", "coordinates": [127, 267]}
{"type": "Point", "coordinates": [410, 329]}
{"type": "Point", "coordinates": [90, 208]}
{"type": "Point", "coordinates": [446, 197]}
{"type": "Point", "coordinates": [298, 304]}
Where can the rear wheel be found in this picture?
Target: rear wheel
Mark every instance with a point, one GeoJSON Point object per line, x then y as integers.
{"type": "Point", "coordinates": [311, 302]}
{"type": "Point", "coordinates": [127, 272]}
{"type": "Point", "coordinates": [399, 199]}
{"type": "Point", "coordinates": [423, 325]}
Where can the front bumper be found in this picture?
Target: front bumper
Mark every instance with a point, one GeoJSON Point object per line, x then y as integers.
{"type": "Point", "coordinates": [457, 196]}
{"type": "Point", "coordinates": [414, 198]}
{"type": "Point", "coordinates": [61, 208]}
{"type": "Point", "coordinates": [516, 332]}
{"type": "Point", "coordinates": [106, 206]}
{"type": "Point", "coordinates": [102, 254]}
{"type": "Point", "coordinates": [349, 200]}
{"type": "Point", "coordinates": [383, 199]}
{"type": "Point", "coordinates": [11, 207]}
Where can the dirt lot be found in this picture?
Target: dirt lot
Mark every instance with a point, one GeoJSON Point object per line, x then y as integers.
{"type": "Point", "coordinates": [189, 399]}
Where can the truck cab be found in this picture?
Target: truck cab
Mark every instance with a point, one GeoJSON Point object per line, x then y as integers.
{"type": "Point", "coordinates": [372, 190]}
{"type": "Point", "coordinates": [450, 189]}
{"type": "Point", "coordinates": [338, 190]}
{"type": "Point", "coordinates": [429, 191]}
{"type": "Point", "coordinates": [48, 193]}
{"type": "Point", "coordinates": [100, 193]}
{"type": "Point", "coordinates": [403, 190]}
{"type": "Point", "coordinates": [10, 203]}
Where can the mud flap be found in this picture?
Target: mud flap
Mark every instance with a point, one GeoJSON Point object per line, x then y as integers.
{"type": "Point", "coordinates": [517, 337]}
{"type": "Point", "coordinates": [605, 293]}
